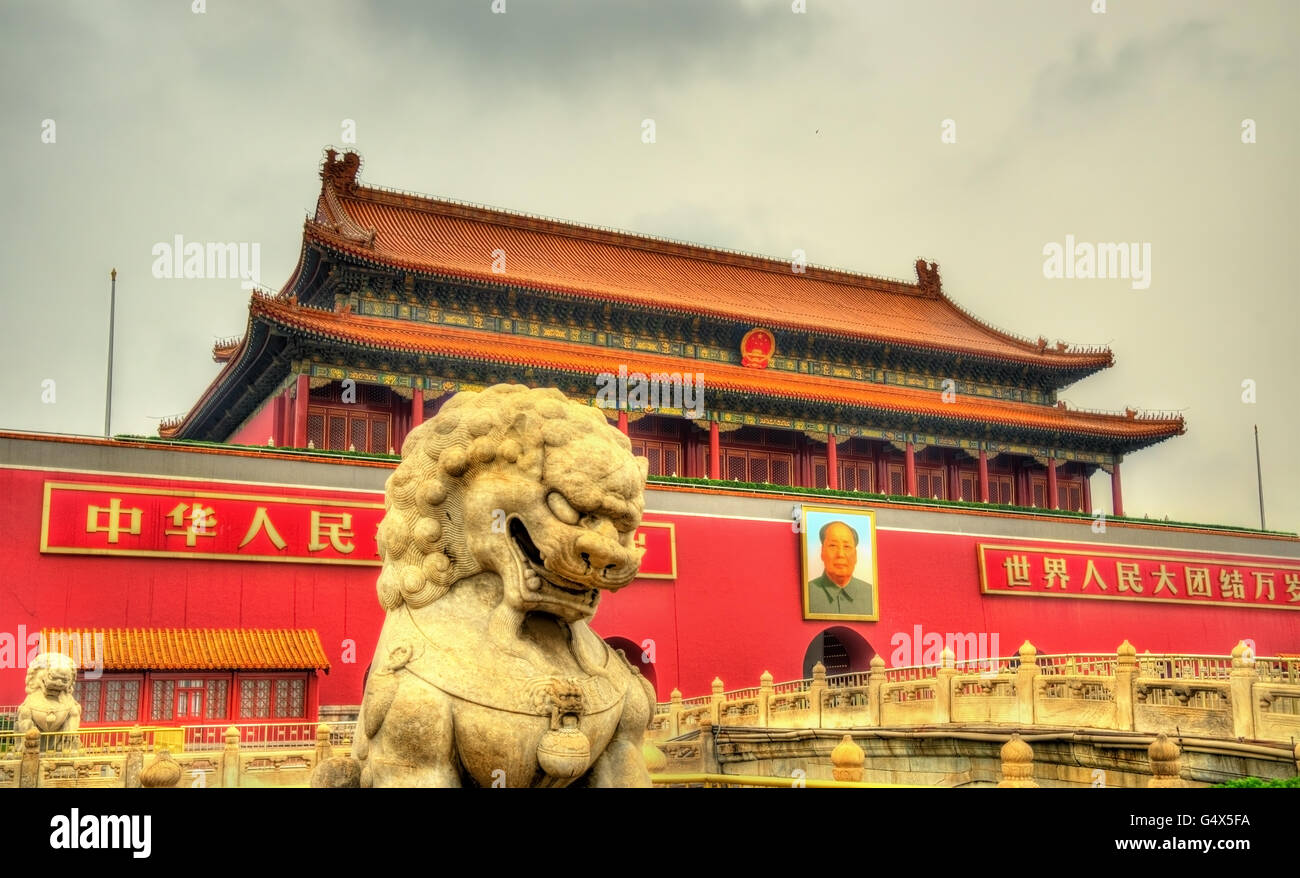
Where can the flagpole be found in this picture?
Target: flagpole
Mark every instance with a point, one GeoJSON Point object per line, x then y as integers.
{"type": "Point", "coordinates": [112, 312]}
{"type": "Point", "coordinates": [1259, 476]}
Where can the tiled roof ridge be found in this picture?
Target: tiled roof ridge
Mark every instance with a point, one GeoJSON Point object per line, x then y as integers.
{"type": "Point", "coordinates": [342, 175]}
{"type": "Point", "coordinates": [184, 648]}
{"type": "Point", "coordinates": [337, 326]}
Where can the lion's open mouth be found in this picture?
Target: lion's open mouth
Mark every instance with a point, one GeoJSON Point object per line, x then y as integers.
{"type": "Point", "coordinates": [536, 574]}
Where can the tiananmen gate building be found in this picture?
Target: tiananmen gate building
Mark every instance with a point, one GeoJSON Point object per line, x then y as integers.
{"type": "Point", "coordinates": [225, 572]}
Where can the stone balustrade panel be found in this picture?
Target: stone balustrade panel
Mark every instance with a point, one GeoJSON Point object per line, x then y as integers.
{"type": "Point", "coordinates": [979, 699]}
{"type": "Point", "coordinates": [1277, 711]}
{"type": "Point", "coordinates": [909, 704]}
{"type": "Point", "coordinates": [1182, 706]}
{"type": "Point", "coordinates": [1076, 700]}
{"type": "Point", "coordinates": [790, 711]}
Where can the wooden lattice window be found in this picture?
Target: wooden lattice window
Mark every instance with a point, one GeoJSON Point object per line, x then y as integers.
{"type": "Point", "coordinates": [110, 699]}
{"type": "Point", "coordinates": [1069, 495]}
{"type": "Point", "coordinates": [897, 479]}
{"type": "Point", "coordinates": [855, 474]}
{"type": "Point", "coordinates": [316, 429]}
{"type": "Point", "coordinates": [664, 457]}
{"type": "Point", "coordinates": [969, 482]}
{"type": "Point", "coordinates": [273, 697]}
{"type": "Point", "coordinates": [929, 483]}
{"type": "Point", "coordinates": [366, 431]}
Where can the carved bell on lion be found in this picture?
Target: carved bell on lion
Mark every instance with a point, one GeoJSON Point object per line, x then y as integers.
{"type": "Point", "coordinates": [564, 752]}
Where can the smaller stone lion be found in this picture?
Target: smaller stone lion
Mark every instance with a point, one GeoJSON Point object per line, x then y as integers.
{"type": "Point", "coordinates": [50, 705]}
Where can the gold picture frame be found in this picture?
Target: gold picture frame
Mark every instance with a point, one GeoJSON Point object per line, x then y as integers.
{"type": "Point", "coordinates": [818, 585]}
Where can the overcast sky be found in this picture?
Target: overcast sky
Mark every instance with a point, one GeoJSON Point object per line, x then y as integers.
{"type": "Point", "coordinates": [773, 131]}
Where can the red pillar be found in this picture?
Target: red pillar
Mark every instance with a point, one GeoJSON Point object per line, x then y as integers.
{"type": "Point", "coordinates": [303, 389]}
{"type": "Point", "coordinates": [909, 463]}
{"type": "Point", "coordinates": [1087, 489]}
{"type": "Point", "coordinates": [984, 476]}
{"type": "Point", "coordinates": [313, 696]}
{"type": "Point", "coordinates": [622, 423]}
{"type": "Point", "coordinates": [832, 463]}
{"type": "Point", "coordinates": [1117, 496]}
{"type": "Point", "coordinates": [882, 469]}
{"type": "Point", "coordinates": [715, 455]}
{"type": "Point", "coordinates": [1052, 497]}
{"type": "Point", "coordinates": [417, 408]}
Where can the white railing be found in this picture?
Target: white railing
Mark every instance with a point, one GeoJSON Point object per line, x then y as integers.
{"type": "Point", "coordinates": [1278, 670]}
{"type": "Point", "coordinates": [1185, 667]}
{"type": "Point", "coordinates": [253, 735]}
{"type": "Point", "coordinates": [341, 735]}
{"type": "Point", "coordinates": [1077, 664]}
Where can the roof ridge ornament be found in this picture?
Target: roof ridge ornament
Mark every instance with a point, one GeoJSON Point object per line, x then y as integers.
{"type": "Point", "coordinates": [341, 173]}
{"type": "Point", "coordinates": [927, 278]}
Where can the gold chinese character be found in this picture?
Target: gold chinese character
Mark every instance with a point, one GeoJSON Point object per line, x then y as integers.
{"type": "Point", "coordinates": [1129, 576]}
{"type": "Point", "coordinates": [1017, 567]}
{"type": "Point", "coordinates": [203, 522]}
{"type": "Point", "coordinates": [337, 531]}
{"type": "Point", "coordinates": [1261, 580]}
{"type": "Point", "coordinates": [114, 526]}
{"type": "Point", "coordinates": [1090, 574]}
{"type": "Point", "coordinates": [1054, 571]}
{"type": "Point", "coordinates": [1164, 579]}
{"type": "Point", "coordinates": [262, 521]}
{"type": "Point", "coordinates": [1231, 585]}
{"type": "Point", "coordinates": [1198, 581]}
{"type": "Point", "coordinates": [1292, 586]}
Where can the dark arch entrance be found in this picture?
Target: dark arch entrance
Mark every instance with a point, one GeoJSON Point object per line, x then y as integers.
{"type": "Point", "coordinates": [842, 650]}
{"type": "Point", "coordinates": [634, 654]}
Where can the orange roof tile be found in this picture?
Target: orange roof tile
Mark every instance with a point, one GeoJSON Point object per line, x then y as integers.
{"type": "Point", "coordinates": [193, 649]}
{"type": "Point", "coordinates": [387, 334]}
{"type": "Point", "coordinates": [456, 240]}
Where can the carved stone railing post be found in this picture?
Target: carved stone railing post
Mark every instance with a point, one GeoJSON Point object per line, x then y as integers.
{"type": "Point", "coordinates": [1166, 770]}
{"type": "Point", "coordinates": [675, 712]}
{"type": "Point", "coordinates": [1017, 764]}
{"type": "Point", "coordinates": [1026, 674]}
{"type": "Point", "coordinates": [764, 697]}
{"type": "Point", "coordinates": [29, 770]}
{"type": "Point", "coordinates": [1241, 691]}
{"type": "Point", "coordinates": [162, 773]}
{"type": "Point", "coordinates": [230, 759]}
{"type": "Point", "coordinates": [715, 704]}
{"type": "Point", "coordinates": [943, 686]}
{"type": "Point", "coordinates": [875, 680]}
{"type": "Point", "coordinates": [847, 759]}
{"type": "Point", "coordinates": [708, 758]}
{"type": "Point", "coordinates": [1126, 670]}
{"type": "Point", "coordinates": [816, 695]}
{"type": "Point", "coordinates": [134, 759]}
{"type": "Point", "coordinates": [324, 749]}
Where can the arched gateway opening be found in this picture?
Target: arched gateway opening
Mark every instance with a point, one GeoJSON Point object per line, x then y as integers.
{"type": "Point", "coordinates": [841, 650]}
{"type": "Point", "coordinates": [634, 655]}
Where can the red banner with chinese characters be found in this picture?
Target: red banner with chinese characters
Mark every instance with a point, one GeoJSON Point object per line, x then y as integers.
{"type": "Point", "coordinates": [1112, 572]}
{"type": "Point", "coordinates": [143, 520]}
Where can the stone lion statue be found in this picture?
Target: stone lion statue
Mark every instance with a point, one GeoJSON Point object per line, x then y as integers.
{"type": "Point", "coordinates": [511, 513]}
{"type": "Point", "coordinates": [50, 705]}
